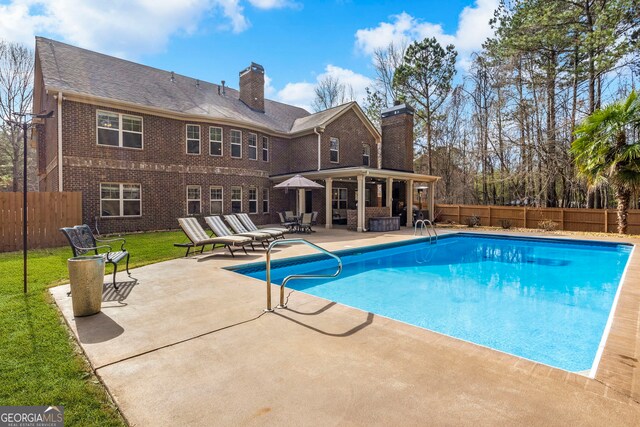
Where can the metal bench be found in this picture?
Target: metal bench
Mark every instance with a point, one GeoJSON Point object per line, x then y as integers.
{"type": "Point", "coordinates": [82, 241]}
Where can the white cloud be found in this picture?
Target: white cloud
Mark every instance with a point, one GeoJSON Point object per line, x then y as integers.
{"type": "Point", "coordinates": [272, 4]}
{"type": "Point", "coordinates": [125, 28]}
{"type": "Point", "coordinates": [302, 94]}
{"type": "Point", "coordinates": [269, 90]}
{"type": "Point", "coordinates": [473, 29]}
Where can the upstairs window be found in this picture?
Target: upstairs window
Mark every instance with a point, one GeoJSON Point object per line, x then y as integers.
{"type": "Point", "coordinates": [253, 200]}
{"type": "Point", "coordinates": [366, 154]}
{"type": "Point", "coordinates": [253, 146]}
{"type": "Point", "coordinates": [236, 144]}
{"type": "Point", "coordinates": [215, 141]}
{"type": "Point", "coordinates": [265, 200]}
{"type": "Point", "coordinates": [193, 139]}
{"type": "Point", "coordinates": [119, 130]}
{"type": "Point", "coordinates": [265, 149]}
{"type": "Point", "coordinates": [120, 199]}
{"type": "Point", "coordinates": [334, 150]}
{"type": "Point", "coordinates": [193, 199]}
{"type": "Point", "coordinates": [215, 207]}
{"type": "Point", "coordinates": [236, 200]}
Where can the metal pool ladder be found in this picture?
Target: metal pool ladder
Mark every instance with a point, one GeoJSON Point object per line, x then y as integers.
{"type": "Point", "coordinates": [423, 226]}
{"type": "Point", "coordinates": [295, 276]}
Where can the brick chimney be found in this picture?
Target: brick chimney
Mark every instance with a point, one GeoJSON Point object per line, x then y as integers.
{"type": "Point", "coordinates": [252, 87]}
{"type": "Point", "coordinates": [397, 138]}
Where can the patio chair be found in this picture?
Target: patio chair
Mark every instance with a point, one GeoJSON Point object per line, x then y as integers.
{"type": "Point", "coordinates": [238, 228]}
{"type": "Point", "coordinates": [305, 223]}
{"type": "Point", "coordinates": [289, 216]}
{"type": "Point", "coordinates": [199, 237]}
{"type": "Point", "coordinates": [217, 225]}
{"type": "Point", "coordinates": [289, 225]}
{"type": "Point", "coordinates": [275, 232]}
{"type": "Point", "coordinates": [83, 241]}
{"type": "Point", "coordinates": [314, 219]}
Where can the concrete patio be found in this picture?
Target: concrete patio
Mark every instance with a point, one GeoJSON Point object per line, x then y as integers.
{"type": "Point", "coordinates": [189, 344]}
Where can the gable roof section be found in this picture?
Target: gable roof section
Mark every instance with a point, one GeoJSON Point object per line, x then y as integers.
{"type": "Point", "coordinates": [323, 118]}
{"type": "Point", "coordinates": [73, 70]}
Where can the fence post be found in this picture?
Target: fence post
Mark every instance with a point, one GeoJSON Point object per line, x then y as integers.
{"type": "Point", "coordinates": [561, 218]}
{"type": "Point", "coordinates": [458, 214]}
{"type": "Point", "coordinates": [606, 221]}
{"type": "Point", "coordinates": [525, 218]}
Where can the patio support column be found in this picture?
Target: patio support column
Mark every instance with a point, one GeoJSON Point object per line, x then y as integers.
{"type": "Point", "coordinates": [409, 204]}
{"type": "Point", "coordinates": [301, 200]}
{"type": "Point", "coordinates": [361, 203]}
{"type": "Point", "coordinates": [389, 200]}
{"type": "Point", "coordinates": [432, 200]}
{"type": "Point", "coordinates": [328, 208]}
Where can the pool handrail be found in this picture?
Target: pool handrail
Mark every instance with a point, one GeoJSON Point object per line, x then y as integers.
{"type": "Point", "coordinates": [295, 276]}
{"type": "Point", "coordinates": [423, 225]}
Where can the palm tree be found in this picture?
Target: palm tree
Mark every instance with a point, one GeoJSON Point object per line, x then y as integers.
{"type": "Point", "coordinates": [607, 150]}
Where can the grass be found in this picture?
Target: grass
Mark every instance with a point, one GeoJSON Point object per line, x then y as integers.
{"type": "Point", "coordinates": [40, 363]}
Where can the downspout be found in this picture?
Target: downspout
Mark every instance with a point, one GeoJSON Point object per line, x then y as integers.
{"type": "Point", "coordinates": [59, 141]}
{"type": "Point", "coordinates": [319, 133]}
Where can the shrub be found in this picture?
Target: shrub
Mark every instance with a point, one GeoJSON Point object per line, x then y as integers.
{"type": "Point", "coordinates": [548, 225]}
{"type": "Point", "coordinates": [505, 223]}
{"type": "Point", "coordinates": [473, 220]}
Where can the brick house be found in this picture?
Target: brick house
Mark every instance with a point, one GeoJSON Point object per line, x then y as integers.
{"type": "Point", "coordinates": [147, 146]}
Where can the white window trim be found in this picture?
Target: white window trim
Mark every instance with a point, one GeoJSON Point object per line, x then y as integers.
{"type": "Point", "coordinates": [368, 156]}
{"type": "Point", "coordinates": [120, 130]}
{"type": "Point", "coordinates": [221, 200]}
{"type": "Point", "coordinates": [236, 200]}
{"type": "Point", "coordinates": [337, 151]}
{"type": "Point", "coordinates": [193, 200]}
{"type": "Point", "coordinates": [221, 141]}
{"type": "Point", "coordinates": [121, 184]}
{"type": "Point", "coordinates": [187, 139]}
{"type": "Point", "coordinates": [249, 145]}
{"type": "Point", "coordinates": [265, 199]}
{"type": "Point", "coordinates": [257, 199]}
{"type": "Point", "coordinates": [265, 150]}
{"type": "Point", "coordinates": [231, 144]}
{"type": "Point", "coordinates": [346, 197]}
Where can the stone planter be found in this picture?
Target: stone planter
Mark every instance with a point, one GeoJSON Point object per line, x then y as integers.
{"type": "Point", "coordinates": [86, 275]}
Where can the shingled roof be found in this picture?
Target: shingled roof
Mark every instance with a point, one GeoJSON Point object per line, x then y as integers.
{"type": "Point", "coordinates": [70, 69]}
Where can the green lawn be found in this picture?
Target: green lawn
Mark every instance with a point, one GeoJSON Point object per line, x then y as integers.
{"type": "Point", "coordinates": [39, 361]}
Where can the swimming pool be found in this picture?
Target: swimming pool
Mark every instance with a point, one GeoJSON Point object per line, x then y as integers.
{"type": "Point", "coordinates": [547, 300]}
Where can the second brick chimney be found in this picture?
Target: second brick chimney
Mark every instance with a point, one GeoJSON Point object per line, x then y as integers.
{"type": "Point", "coordinates": [252, 87]}
{"type": "Point", "coordinates": [397, 138]}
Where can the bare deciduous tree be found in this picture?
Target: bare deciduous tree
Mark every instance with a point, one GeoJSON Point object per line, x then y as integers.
{"type": "Point", "coordinates": [331, 92]}
{"type": "Point", "coordinates": [16, 94]}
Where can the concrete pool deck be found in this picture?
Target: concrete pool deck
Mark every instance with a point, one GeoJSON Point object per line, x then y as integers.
{"type": "Point", "coordinates": [189, 344]}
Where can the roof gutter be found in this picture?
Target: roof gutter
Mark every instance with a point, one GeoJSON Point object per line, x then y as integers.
{"type": "Point", "coordinates": [319, 133]}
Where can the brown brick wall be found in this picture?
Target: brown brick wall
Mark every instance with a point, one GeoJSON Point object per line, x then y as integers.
{"type": "Point", "coordinates": [252, 87]}
{"type": "Point", "coordinates": [46, 134]}
{"type": "Point", "coordinates": [397, 142]}
{"type": "Point", "coordinates": [352, 133]}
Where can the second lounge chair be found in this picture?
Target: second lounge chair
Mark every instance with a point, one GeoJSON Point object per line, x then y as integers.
{"type": "Point", "coordinates": [199, 237]}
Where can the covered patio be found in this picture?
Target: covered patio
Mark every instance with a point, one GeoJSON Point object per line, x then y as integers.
{"type": "Point", "coordinates": [378, 193]}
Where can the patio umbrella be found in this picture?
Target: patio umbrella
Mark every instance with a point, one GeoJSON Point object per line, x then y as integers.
{"type": "Point", "coordinates": [298, 182]}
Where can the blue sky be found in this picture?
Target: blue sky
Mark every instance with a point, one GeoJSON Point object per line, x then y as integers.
{"type": "Point", "coordinates": [296, 41]}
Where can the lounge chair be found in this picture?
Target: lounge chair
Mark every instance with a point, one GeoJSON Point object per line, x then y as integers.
{"type": "Point", "coordinates": [305, 223]}
{"type": "Point", "coordinates": [218, 226]}
{"type": "Point", "coordinates": [199, 237]}
{"type": "Point", "coordinates": [275, 232]}
{"type": "Point", "coordinates": [238, 228]}
{"type": "Point", "coordinates": [290, 225]}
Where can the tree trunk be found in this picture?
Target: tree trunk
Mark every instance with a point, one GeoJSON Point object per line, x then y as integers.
{"type": "Point", "coordinates": [623, 196]}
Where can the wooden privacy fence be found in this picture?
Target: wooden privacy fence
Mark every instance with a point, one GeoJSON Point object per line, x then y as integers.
{"type": "Point", "coordinates": [570, 219]}
{"type": "Point", "coordinates": [46, 213]}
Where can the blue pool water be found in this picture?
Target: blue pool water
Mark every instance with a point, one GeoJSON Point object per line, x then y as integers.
{"type": "Point", "coordinates": [543, 299]}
